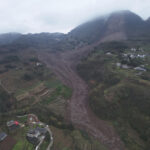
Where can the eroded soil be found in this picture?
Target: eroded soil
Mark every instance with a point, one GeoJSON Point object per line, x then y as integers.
{"type": "Point", "coordinates": [64, 66]}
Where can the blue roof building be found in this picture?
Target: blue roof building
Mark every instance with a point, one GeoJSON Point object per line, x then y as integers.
{"type": "Point", "coordinates": [3, 135]}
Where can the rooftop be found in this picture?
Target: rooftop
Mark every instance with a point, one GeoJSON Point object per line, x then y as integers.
{"type": "Point", "coordinates": [12, 122]}
{"type": "Point", "coordinates": [36, 132]}
{"type": "Point", "coordinates": [3, 135]}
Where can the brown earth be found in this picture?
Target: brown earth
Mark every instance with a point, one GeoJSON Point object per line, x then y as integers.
{"type": "Point", "coordinates": [7, 144]}
{"type": "Point", "coordinates": [64, 66]}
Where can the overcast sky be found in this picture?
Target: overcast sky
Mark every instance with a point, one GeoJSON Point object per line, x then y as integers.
{"type": "Point", "coordinates": [60, 15]}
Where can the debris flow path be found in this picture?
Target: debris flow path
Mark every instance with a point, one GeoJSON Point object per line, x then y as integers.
{"type": "Point", "coordinates": [64, 66]}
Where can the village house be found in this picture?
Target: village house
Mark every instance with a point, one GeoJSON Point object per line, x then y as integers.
{"type": "Point", "coordinates": [125, 55]}
{"type": "Point", "coordinates": [13, 125]}
{"type": "Point", "coordinates": [132, 56]}
{"type": "Point", "coordinates": [109, 53]}
{"type": "Point", "coordinates": [34, 135]}
{"type": "Point", "coordinates": [141, 56]}
{"type": "Point", "coordinates": [133, 49]}
{"type": "Point", "coordinates": [38, 64]}
{"type": "Point", "coordinates": [3, 135]}
{"type": "Point", "coordinates": [124, 66]}
{"type": "Point", "coordinates": [140, 69]}
{"type": "Point", "coordinates": [42, 131]}
{"type": "Point", "coordinates": [118, 64]}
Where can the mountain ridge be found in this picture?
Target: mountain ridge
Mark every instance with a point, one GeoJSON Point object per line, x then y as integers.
{"type": "Point", "coordinates": [120, 25]}
{"type": "Point", "coordinates": [116, 26]}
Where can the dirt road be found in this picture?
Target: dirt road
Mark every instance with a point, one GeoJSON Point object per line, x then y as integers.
{"type": "Point", "coordinates": [64, 66]}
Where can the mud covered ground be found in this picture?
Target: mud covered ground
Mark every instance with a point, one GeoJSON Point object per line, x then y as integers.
{"type": "Point", "coordinates": [64, 66]}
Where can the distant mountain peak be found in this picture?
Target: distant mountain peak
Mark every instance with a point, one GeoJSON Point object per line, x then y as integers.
{"type": "Point", "coordinates": [127, 14]}
{"type": "Point", "coordinates": [118, 25]}
{"type": "Point", "coordinates": [148, 20]}
{"type": "Point", "coordinates": [123, 12]}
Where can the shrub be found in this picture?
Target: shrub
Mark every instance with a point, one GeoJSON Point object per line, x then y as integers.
{"type": "Point", "coordinates": [27, 77]}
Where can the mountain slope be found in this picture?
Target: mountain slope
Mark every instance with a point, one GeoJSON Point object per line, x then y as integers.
{"type": "Point", "coordinates": [90, 31]}
{"type": "Point", "coordinates": [118, 92]}
{"type": "Point", "coordinates": [122, 25]}
{"type": "Point", "coordinates": [8, 38]}
{"type": "Point", "coordinates": [117, 26]}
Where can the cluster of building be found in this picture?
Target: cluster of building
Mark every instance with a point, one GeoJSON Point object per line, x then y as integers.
{"type": "Point", "coordinates": [127, 57]}
{"type": "Point", "coordinates": [132, 55]}
{"type": "Point", "coordinates": [13, 125]}
{"type": "Point", "coordinates": [124, 66]}
{"type": "Point", "coordinates": [33, 136]}
{"type": "Point", "coordinates": [136, 49]}
{"type": "Point", "coordinates": [38, 64]}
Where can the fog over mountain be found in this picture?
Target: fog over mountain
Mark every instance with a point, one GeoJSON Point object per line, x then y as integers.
{"type": "Point", "coordinates": [36, 16]}
{"type": "Point", "coordinates": [116, 26]}
{"type": "Point", "coordinates": [88, 83]}
{"type": "Point", "coordinates": [120, 25]}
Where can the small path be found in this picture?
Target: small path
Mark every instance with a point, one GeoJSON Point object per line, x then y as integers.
{"type": "Point", "coordinates": [21, 116]}
{"type": "Point", "coordinates": [51, 138]}
{"type": "Point", "coordinates": [38, 146]}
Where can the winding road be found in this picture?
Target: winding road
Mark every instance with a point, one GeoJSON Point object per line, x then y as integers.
{"type": "Point", "coordinates": [64, 66]}
{"type": "Point", "coordinates": [51, 138]}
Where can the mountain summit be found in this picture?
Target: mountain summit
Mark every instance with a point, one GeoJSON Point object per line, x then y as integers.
{"type": "Point", "coordinates": [117, 26]}
{"type": "Point", "coordinates": [121, 25]}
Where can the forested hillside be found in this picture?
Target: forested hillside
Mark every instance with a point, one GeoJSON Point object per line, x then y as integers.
{"type": "Point", "coordinates": [120, 90]}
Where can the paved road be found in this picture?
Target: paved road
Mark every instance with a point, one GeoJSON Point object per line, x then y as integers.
{"type": "Point", "coordinates": [38, 146]}
{"type": "Point", "coordinates": [51, 138]}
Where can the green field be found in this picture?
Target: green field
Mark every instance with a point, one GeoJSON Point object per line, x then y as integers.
{"type": "Point", "coordinates": [23, 145]}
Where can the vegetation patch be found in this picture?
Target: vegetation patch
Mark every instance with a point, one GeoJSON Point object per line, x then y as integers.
{"type": "Point", "coordinates": [23, 145]}
{"type": "Point", "coordinates": [60, 91]}
{"type": "Point", "coordinates": [118, 92]}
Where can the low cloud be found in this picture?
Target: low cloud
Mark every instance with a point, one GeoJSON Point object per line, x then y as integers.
{"type": "Point", "coordinates": [60, 15]}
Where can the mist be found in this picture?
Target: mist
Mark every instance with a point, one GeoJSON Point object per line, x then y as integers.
{"type": "Point", "coordinates": [34, 16]}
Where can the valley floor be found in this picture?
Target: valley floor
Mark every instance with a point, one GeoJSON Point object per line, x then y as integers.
{"type": "Point", "coordinates": [79, 113]}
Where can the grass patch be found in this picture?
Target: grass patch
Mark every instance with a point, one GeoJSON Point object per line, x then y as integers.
{"type": "Point", "coordinates": [22, 119]}
{"type": "Point", "coordinates": [60, 91]}
{"type": "Point", "coordinates": [118, 93]}
{"type": "Point", "coordinates": [52, 83]}
{"type": "Point", "coordinates": [22, 91]}
{"type": "Point", "coordinates": [44, 145]}
{"type": "Point", "coordinates": [23, 145]}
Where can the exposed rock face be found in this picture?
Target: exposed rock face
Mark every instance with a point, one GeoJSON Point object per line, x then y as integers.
{"type": "Point", "coordinates": [122, 25]}
{"type": "Point", "coordinates": [148, 22]}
